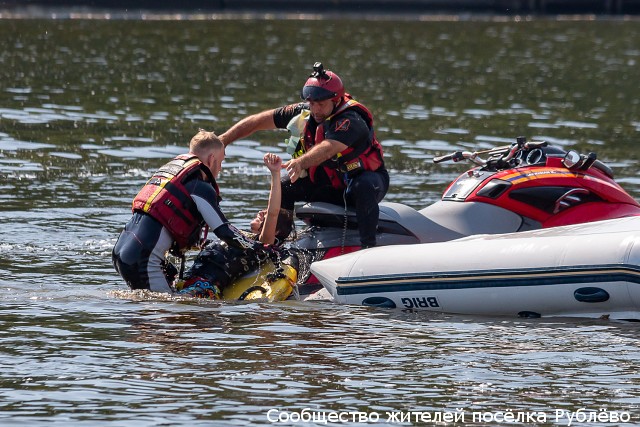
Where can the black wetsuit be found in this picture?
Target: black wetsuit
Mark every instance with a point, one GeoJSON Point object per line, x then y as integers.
{"type": "Point", "coordinates": [363, 191]}
{"type": "Point", "coordinates": [139, 253]}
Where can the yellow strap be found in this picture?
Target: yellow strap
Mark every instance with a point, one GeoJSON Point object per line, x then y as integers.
{"type": "Point", "coordinates": [147, 204]}
{"type": "Point", "coordinates": [164, 182]}
{"type": "Point", "coordinates": [188, 163]}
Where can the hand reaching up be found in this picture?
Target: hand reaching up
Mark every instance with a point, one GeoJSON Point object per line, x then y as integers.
{"type": "Point", "coordinates": [273, 162]}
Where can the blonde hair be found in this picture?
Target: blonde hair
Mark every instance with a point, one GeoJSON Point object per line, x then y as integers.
{"type": "Point", "coordinates": [205, 142]}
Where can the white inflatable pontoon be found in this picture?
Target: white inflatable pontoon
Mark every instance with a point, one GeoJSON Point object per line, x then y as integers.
{"type": "Point", "coordinates": [586, 270]}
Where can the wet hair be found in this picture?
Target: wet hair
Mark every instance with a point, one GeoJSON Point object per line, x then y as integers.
{"type": "Point", "coordinates": [284, 225]}
{"type": "Point", "coordinates": [205, 142]}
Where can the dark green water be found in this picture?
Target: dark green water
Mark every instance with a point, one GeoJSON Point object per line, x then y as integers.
{"type": "Point", "coordinates": [88, 108]}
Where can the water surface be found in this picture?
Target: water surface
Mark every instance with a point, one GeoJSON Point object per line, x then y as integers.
{"type": "Point", "coordinates": [89, 108]}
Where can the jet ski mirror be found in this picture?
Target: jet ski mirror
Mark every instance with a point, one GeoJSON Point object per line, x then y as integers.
{"type": "Point", "coordinates": [571, 159]}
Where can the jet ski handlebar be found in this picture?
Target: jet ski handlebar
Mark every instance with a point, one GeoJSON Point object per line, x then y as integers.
{"type": "Point", "coordinates": [503, 154]}
{"type": "Point", "coordinates": [461, 155]}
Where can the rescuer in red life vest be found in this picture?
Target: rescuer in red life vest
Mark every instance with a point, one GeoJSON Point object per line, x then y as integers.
{"type": "Point", "coordinates": [170, 212]}
{"type": "Point", "coordinates": [336, 157]}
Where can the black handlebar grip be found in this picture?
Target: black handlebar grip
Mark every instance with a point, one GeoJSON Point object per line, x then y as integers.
{"type": "Point", "coordinates": [444, 158]}
{"type": "Point", "coordinates": [453, 156]}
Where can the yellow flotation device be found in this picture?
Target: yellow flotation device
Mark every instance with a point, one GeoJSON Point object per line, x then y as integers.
{"type": "Point", "coordinates": [269, 283]}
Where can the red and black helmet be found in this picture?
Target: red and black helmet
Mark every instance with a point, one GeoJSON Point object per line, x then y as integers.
{"type": "Point", "coordinates": [322, 84]}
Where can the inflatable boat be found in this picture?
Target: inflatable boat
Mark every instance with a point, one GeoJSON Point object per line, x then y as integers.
{"type": "Point", "coordinates": [585, 270]}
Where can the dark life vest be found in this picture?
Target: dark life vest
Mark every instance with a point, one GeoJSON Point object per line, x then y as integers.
{"type": "Point", "coordinates": [352, 160]}
{"type": "Point", "coordinates": [222, 264]}
{"type": "Point", "coordinates": [165, 198]}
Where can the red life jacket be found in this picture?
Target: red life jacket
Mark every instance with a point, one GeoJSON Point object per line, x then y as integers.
{"type": "Point", "coordinates": [352, 160]}
{"type": "Point", "coordinates": [165, 198]}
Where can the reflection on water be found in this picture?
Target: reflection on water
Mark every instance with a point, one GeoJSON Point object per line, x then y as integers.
{"type": "Point", "coordinates": [89, 108]}
{"type": "Point", "coordinates": [125, 358]}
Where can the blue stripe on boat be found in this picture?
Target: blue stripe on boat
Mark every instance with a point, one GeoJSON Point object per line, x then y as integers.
{"type": "Point", "coordinates": [488, 279]}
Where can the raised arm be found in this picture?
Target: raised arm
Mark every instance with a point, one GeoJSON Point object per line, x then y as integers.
{"type": "Point", "coordinates": [268, 233]}
{"type": "Point", "coordinates": [247, 126]}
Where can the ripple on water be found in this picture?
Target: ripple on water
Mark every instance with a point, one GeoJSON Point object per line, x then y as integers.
{"type": "Point", "coordinates": [63, 155]}
{"type": "Point", "coordinates": [10, 144]}
{"type": "Point", "coordinates": [147, 152]}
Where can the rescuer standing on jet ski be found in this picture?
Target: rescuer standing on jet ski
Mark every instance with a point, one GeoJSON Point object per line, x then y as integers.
{"type": "Point", "coordinates": [336, 159]}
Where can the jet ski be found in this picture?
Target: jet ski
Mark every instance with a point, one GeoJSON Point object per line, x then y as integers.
{"type": "Point", "coordinates": [528, 185]}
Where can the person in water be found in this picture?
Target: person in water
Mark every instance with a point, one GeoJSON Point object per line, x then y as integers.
{"type": "Point", "coordinates": [170, 212]}
{"type": "Point", "coordinates": [219, 264]}
{"type": "Point", "coordinates": [336, 157]}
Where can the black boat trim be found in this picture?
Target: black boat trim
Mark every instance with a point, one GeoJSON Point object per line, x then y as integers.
{"type": "Point", "coordinates": [499, 278]}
